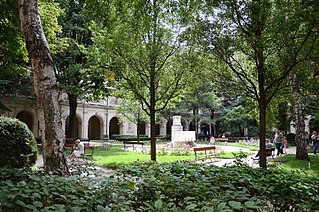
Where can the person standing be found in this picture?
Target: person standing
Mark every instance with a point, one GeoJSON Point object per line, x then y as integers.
{"type": "Point", "coordinates": [278, 141]}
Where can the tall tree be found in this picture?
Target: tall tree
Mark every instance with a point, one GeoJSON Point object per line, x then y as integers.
{"type": "Point", "coordinates": [237, 118]}
{"type": "Point", "coordinates": [45, 87]}
{"type": "Point", "coordinates": [14, 74]}
{"type": "Point", "coordinates": [76, 77]}
{"type": "Point", "coordinates": [131, 110]}
{"type": "Point", "coordinates": [302, 16]}
{"type": "Point", "coordinates": [70, 62]}
{"type": "Point", "coordinates": [141, 42]}
{"type": "Point", "coordinates": [250, 39]}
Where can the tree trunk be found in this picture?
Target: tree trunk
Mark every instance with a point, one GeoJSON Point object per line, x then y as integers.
{"type": "Point", "coordinates": [260, 64]}
{"type": "Point", "coordinates": [45, 87]}
{"type": "Point", "coordinates": [72, 117]}
{"type": "Point", "coordinates": [262, 130]}
{"type": "Point", "coordinates": [211, 126]}
{"type": "Point", "coordinates": [138, 126]}
{"type": "Point", "coordinates": [152, 115]}
{"type": "Point", "coordinates": [301, 143]}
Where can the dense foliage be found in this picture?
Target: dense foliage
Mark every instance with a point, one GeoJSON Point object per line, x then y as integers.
{"type": "Point", "coordinates": [18, 145]}
{"type": "Point", "coordinates": [179, 186]}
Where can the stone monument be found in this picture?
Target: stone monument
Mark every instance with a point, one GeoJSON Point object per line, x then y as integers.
{"type": "Point", "coordinates": [178, 135]}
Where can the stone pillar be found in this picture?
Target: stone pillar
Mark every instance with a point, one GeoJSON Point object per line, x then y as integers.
{"type": "Point", "coordinates": [106, 125]}
{"type": "Point", "coordinates": [85, 128]}
{"type": "Point", "coordinates": [148, 129]}
{"type": "Point", "coordinates": [163, 128]}
{"type": "Point", "coordinates": [177, 126]}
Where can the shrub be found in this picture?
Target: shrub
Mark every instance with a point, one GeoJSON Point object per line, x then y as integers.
{"type": "Point", "coordinates": [178, 186]}
{"type": "Point", "coordinates": [18, 145]}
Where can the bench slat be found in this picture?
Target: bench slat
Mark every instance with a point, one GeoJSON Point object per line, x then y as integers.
{"type": "Point", "coordinates": [207, 155]}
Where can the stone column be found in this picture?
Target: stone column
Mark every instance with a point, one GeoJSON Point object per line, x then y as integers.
{"type": "Point", "coordinates": [85, 129]}
{"type": "Point", "coordinates": [148, 129]}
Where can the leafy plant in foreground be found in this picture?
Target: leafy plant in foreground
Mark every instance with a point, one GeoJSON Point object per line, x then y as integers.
{"type": "Point", "coordinates": [178, 186]}
{"type": "Point", "coordinates": [18, 145]}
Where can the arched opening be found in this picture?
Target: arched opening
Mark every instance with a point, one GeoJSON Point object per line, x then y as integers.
{"type": "Point", "coordinates": [169, 127]}
{"type": "Point", "coordinates": [158, 129]}
{"type": "Point", "coordinates": [204, 129]}
{"type": "Point", "coordinates": [142, 127]}
{"type": "Point", "coordinates": [184, 125]}
{"type": "Point", "coordinates": [192, 126]}
{"type": "Point", "coordinates": [114, 127]}
{"type": "Point", "coordinates": [94, 131]}
{"type": "Point", "coordinates": [27, 118]}
{"type": "Point", "coordinates": [77, 127]}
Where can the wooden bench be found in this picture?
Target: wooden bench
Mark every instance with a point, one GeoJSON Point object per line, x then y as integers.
{"type": "Point", "coordinates": [210, 152]}
{"type": "Point", "coordinates": [88, 151]}
{"type": "Point", "coordinates": [132, 143]}
{"type": "Point", "coordinates": [238, 139]}
{"type": "Point", "coordinates": [269, 157]}
{"type": "Point", "coordinates": [69, 142]}
{"type": "Point", "coordinates": [221, 139]}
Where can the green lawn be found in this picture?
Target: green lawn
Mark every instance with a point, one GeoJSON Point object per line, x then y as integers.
{"type": "Point", "coordinates": [252, 147]}
{"type": "Point", "coordinates": [302, 167]}
{"type": "Point", "coordinates": [115, 157]}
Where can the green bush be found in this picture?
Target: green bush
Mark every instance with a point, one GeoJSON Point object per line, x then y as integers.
{"type": "Point", "coordinates": [18, 145]}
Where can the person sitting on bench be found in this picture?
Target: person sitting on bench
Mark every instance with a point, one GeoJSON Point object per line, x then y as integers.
{"type": "Point", "coordinates": [78, 150]}
{"type": "Point", "coordinates": [268, 146]}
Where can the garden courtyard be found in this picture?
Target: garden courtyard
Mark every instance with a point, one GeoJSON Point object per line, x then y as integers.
{"type": "Point", "coordinates": [178, 70]}
{"type": "Point", "coordinates": [110, 156]}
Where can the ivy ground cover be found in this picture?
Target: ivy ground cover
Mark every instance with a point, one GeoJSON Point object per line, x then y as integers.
{"type": "Point", "coordinates": [177, 186]}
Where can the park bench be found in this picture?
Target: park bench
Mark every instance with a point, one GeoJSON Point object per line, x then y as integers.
{"type": "Point", "coordinates": [85, 140]}
{"type": "Point", "coordinates": [221, 139]}
{"type": "Point", "coordinates": [88, 151]}
{"type": "Point", "coordinates": [210, 152]}
{"type": "Point", "coordinates": [69, 142]}
{"type": "Point", "coordinates": [238, 139]}
{"type": "Point", "coordinates": [270, 159]}
{"type": "Point", "coordinates": [132, 143]}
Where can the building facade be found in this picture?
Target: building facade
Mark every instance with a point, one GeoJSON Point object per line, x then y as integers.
{"type": "Point", "coordinates": [94, 120]}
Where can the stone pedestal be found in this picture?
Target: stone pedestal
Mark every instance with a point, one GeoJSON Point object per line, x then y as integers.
{"type": "Point", "coordinates": [177, 124]}
{"type": "Point", "coordinates": [178, 135]}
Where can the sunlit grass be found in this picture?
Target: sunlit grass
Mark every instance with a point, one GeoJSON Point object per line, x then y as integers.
{"type": "Point", "coordinates": [309, 168]}
{"type": "Point", "coordinates": [116, 156]}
